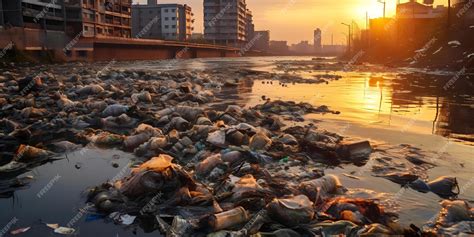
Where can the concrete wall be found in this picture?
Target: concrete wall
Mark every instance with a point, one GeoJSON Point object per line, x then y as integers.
{"type": "Point", "coordinates": [109, 52]}
{"type": "Point", "coordinates": [34, 39]}
{"type": "Point", "coordinates": [232, 54]}
{"type": "Point", "coordinates": [104, 52]}
{"type": "Point", "coordinates": [209, 53]}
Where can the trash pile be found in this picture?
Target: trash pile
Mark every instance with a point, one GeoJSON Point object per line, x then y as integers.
{"type": "Point", "coordinates": [204, 171]}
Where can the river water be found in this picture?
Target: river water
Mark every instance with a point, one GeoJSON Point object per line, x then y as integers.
{"type": "Point", "coordinates": [386, 106]}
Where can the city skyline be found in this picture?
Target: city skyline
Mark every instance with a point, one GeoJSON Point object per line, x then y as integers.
{"type": "Point", "coordinates": [308, 15]}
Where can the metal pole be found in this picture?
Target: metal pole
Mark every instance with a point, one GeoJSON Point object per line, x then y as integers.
{"type": "Point", "coordinates": [449, 13]}
{"type": "Point", "coordinates": [384, 4]}
{"type": "Point", "coordinates": [366, 20]}
{"type": "Point", "coordinates": [349, 41]}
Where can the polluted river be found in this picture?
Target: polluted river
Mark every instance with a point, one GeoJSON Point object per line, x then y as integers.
{"type": "Point", "coordinates": [263, 146]}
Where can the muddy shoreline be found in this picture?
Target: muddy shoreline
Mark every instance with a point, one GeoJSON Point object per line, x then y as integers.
{"type": "Point", "coordinates": [205, 165]}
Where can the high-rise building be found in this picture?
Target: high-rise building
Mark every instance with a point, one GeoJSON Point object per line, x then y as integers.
{"type": "Point", "coordinates": [99, 18]}
{"type": "Point", "coordinates": [317, 40]}
{"type": "Point", "coordinates": [225, 21]}
{"type": "Point", "coordinates": [162, 21]}
{"type": "Point", "coordinates": [249, 26]}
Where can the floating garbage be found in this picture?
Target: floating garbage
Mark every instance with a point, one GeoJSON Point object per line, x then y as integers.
{"type": "Point", "coordinates": [64, 230]}
{"type": "Point", "coordinates": [228, 219]}
{"type": "Point", "coordinates": [356, 150]}
{"type": "Point", "coordinates": [322, 187]}
{"type": "Point", "coordinates": [203, 168]}
{"type": "Point", "coordinates": [19, 231]}
{"type": "Point", "coordinates": [444, 186]}
{"type": "Point", "coordinates": [456, 218]}
{"type": "Point", "coordinates": [291, 211]}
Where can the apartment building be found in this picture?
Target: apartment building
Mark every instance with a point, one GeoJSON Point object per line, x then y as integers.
{"type": "Point", "coordinates": [99, 18]}
{"type": "Point", "coordinates": [415, 10]}
{"type": "Point", "coordinates": [91, 18]}
{"type": "Point", "coordinates": [39, 14]}
{"type": "Point", "coordinates": [162, 21]}
{"type": "Point", "coordinates": [262, 43]}
{"type": "Point", "coordinates": [225, 22]}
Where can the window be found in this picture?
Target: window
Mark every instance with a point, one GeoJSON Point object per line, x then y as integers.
{"type": "Point", "coordinates": [173, 18]}
{"type": "Point", "coordinates": [166, 10]}
{"type": "Point", "coordinates": [174, 10]}
{"type": "Point", "coordinates": [82, 53]}
{"type": "Point", "coordinates": [167, 18]}
{"type": "Point", "coordinates": [167, 26]}
{"type": "Point", "coordinates": [173, 26]}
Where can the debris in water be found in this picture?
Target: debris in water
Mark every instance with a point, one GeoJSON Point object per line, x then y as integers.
{"type": "Point", "coordinates": [19, 231]}
{"type": "Point", "coordinates": [64, 230]}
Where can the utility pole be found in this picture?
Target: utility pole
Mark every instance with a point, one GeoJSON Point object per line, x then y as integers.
{"type": "Point", "coordinates": [349, 37]}
{"type": "Point", "coordinates": [384, 5]}
{"type": "Point", "coordinates": [366, 20]}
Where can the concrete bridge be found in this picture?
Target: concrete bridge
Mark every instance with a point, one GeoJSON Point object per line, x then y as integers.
{"type": "Point", "coordinates": [143, 49]}
{"type": "Point", "coordinates": [34, 42]}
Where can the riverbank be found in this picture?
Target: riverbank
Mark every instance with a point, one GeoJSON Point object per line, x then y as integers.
{"type": "Point", "coordinates": [256, 146]}
{"type": "Point", "coordinates": [451, 50]}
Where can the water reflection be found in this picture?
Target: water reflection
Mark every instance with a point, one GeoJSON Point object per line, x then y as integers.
{"type": "Point", "coordinates": [401, 100]}
{"type": "Point", "coordinates": [404, 102]}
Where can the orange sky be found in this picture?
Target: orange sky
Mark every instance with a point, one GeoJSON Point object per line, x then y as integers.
{"type": "Point", "coordinates": [295, 20]}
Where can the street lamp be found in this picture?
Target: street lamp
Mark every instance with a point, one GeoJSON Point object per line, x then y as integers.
{"type": "Point", "coordinates": [384, 4]}
{"type": "Point", "coordinates": [349, 37]}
